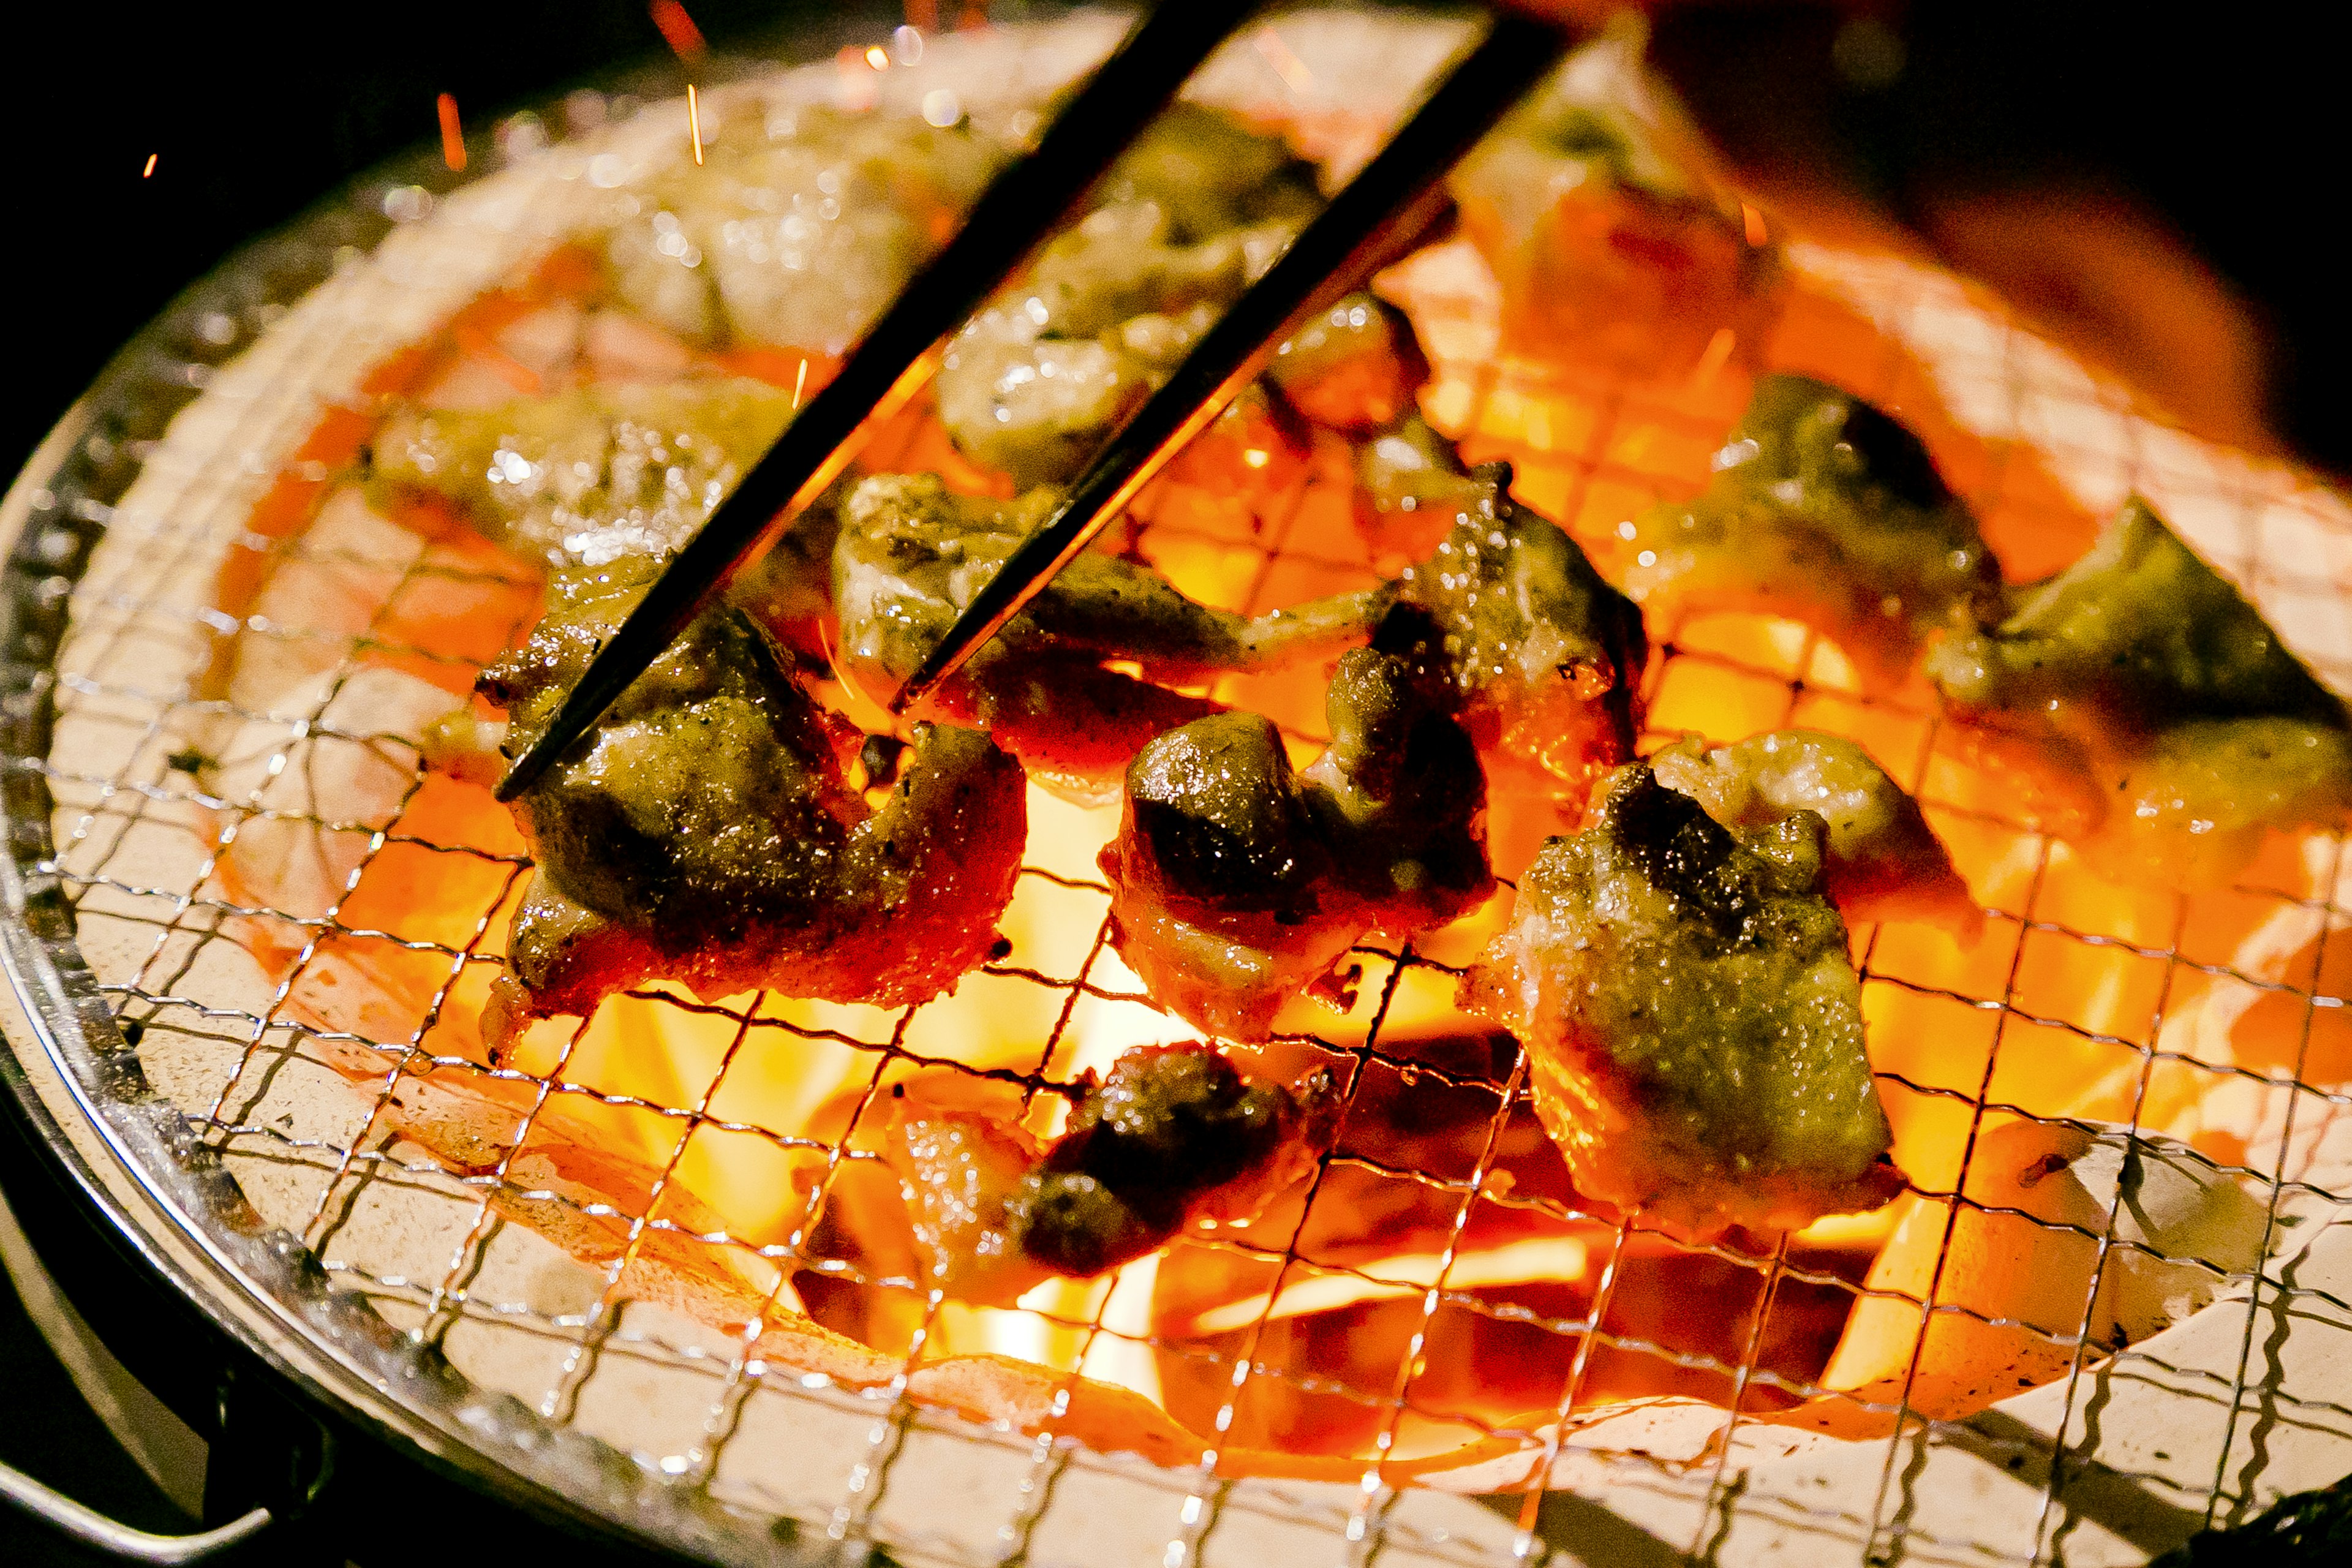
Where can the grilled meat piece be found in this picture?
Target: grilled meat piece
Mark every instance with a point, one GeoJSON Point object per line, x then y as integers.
{"type": "Point", "coordinates": [1175, 1136]}
{"type": "Point", "coordinates": [1825, 510]}
{"type": "Point", "coordinates": [1353, 369]}
{"type": "Point", "coordinates": [1614, 250]}
{"type": "Point", "coordinates": [1410, 488]}
{"type": "Point", "coordinates": [963, 1172]}
{"type": "Point", "coordinates": [911, 555]}
{"type": "Point", "coordinates": [2157, 715]}
{"type": "Point", "coordinates": [706, 830]}
{"type": "Point", "coordinates": [1545, 659]}
{"type": "Point", "coordinates": [1882, 860]}
{"type": "Point", "coordinates": [1236, 883]}
{"type": "Point", "coordinates": [587, 475]}
{"type": "Point", "coordinates": [591, 474]}
{"type": "Point", "coordinates": [797, 227]}
{"type": "Point", "coordinates": [1692, 1020]}
{"type": "Point", "coordinates": [1193, 214]}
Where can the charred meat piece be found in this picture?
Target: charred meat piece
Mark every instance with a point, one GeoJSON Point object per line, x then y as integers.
{"type": "Point", "coordinates": [1881, 861]}
{"type": "Point", "coordinates": [1824, 510]}
{"type": "Point", "coordinates": [2141, 696]}
{"type": "Point", "coordinates": [1615, 250]}
{"type": "Point", "coordinates": [1236, 883]}
{"type": "Point", "coordinates": [1692, 1020]}
{"type": "Point", "coordinates": [1544, 658]}
{"type": "Point", "coordinates": [911, 555]}
{"type": "Point", "coordinates": [1175, 1136]}
{"type": "Point", "coordinates": [706, 830]}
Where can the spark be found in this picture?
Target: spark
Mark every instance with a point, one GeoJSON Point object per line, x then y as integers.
{"type": "Point", "coordinates": [1755, 222]}
{"type": "Point", "coordinates": [678, 29]}
{"type": "Point", "coordinates": [452, 139]}
{"type": "Point", "coordinates": [150, 169]}
{"type": "Point", "coordinates": [694, 124]}
{"type": "Point", "coordinates": [800, 382]}
{"type": "Point", "coordinates": [1717, 354]}
{"type": "Point", "coordinates": [878, 57]}
{"type": "Point", "coordinates": [1285, 61]}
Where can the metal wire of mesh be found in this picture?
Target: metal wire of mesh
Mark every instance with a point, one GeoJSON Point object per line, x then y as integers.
{"type": "Point", "coordinates": [2070, 970]}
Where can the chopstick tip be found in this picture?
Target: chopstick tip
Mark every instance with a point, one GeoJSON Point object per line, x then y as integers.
{"type": "Point", "coordinates": [524, 774]}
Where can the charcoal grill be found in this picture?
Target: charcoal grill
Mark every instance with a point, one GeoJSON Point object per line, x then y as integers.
{"type": "Point", "coordinates": [378, 1318]}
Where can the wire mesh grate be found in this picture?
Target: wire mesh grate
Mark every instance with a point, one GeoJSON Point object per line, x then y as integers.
{"type": "Point", "coordinates": [419, 1170]}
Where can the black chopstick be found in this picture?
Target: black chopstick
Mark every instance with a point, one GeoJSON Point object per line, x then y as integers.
{"type": "Point", "coordinates": [1020, 207]}
{"type": "Point", "coordinates": [1379, 215]}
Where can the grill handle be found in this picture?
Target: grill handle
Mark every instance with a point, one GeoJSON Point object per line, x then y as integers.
{"type": "Point", "coordinates": [94, 1529]}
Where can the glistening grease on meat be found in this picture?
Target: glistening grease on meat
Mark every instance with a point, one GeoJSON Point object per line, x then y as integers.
{"type": "Point", "coordinates": [795, 228]}
{"type": "Point", "coordinates": [1543, 656]}
{"type": "Point", "coordinates": [1192, 214]}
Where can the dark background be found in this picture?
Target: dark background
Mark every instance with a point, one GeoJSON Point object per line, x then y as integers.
{"type": "Point", "coordinates": [2227, 134]}
{"type": "Point", "coordinates": [2228, 130]}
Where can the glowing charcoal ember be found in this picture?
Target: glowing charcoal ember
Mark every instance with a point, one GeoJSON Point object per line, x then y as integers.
{"type": "Point", "coordinates": [1377, 1229]}
{"type": "Point", "coordinates": [2159, 717]}
{"type": "Point", "coordinates": [1237, 884]}
{"type": "Point", "coordinates": [1172, 1136]}
{"type": "Point", "coordinates": [621, 347]}
{"type": "Point", "coordinates": [1882, 860]}
{"type": "Point", "coordinates": [1613, 248]}
{"type": "Point", "coordinates": [1545, 658]}
{"type": "Point", "coordinates": [1825, 510]}
{"type": "Point", "coordinates": [324, 590]}
{"type": "Point", "coordinates": [707, 832]}
{"type": "Point", "coordinates": [1692, 1019]}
